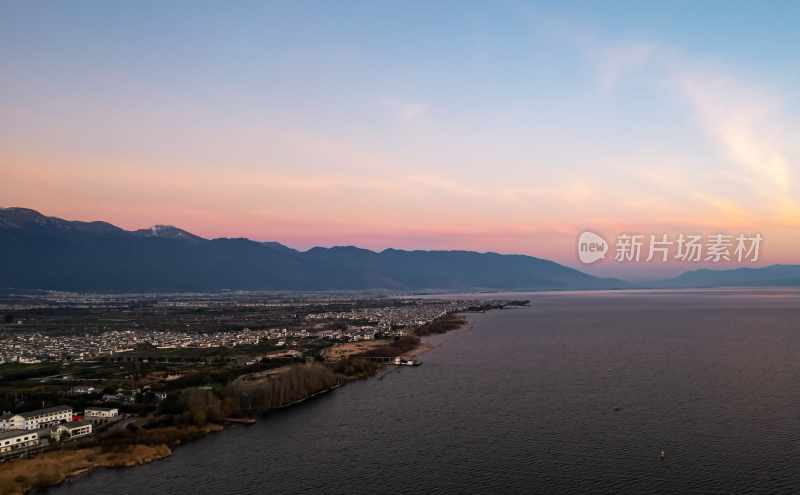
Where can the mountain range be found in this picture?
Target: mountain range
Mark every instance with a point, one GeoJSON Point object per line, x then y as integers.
{"type": "Point", "coordinates": [768, 276]}
{"type": "Point", "coordinates": [41, 252]}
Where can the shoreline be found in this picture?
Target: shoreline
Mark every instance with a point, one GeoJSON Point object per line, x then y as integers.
{"type": "Point", "coordinates": [425, 346]}
{"type": "Point", "coordinates": [56, 467]}
{"type": "Point", "coordinates": [60, 466]}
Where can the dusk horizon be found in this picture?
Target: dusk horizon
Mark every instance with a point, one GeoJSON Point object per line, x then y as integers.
{"type": "Point", "coordinates": [511, 129]}
{"type": "Point", "coordinates": [630, 272]}
{"type": "Point", "coordinates": [343, 247]}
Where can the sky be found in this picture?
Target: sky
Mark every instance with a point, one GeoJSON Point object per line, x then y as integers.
{"type": "Point", "coordinates": [492, 126]}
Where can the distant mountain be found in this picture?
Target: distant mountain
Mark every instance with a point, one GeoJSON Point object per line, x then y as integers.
{"type": "Point", "coordinates": [278, 247]}
{"type": "Point", "coordinates": [168, 232]}
{"type": "Point", "coordinates": [40, 252]}
{"type": "Point", "coordinates": [773, 275]}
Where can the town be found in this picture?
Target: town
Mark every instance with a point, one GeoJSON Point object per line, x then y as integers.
{"type": "Point", "coordinates": [53, 332]}
{"type": "Point", "coordinates": [85, 371]}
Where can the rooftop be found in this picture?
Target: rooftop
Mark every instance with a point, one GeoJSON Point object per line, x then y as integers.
{"type": "Point", "coordinates": [41, 412]}
{"type": "Point", "coordinates": [12, 433]}
{"type": "Point", "coordinates": [77, 424]}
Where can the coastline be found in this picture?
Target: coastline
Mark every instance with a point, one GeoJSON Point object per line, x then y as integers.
{"type": "Point", "coordinates": [59, 466]}
{"type": "Point", "coordinates": [55, 467]}
{"type": "Point", "coordinates": [426, 346]}
{"type": "Point", "coordinates": [49, 469]}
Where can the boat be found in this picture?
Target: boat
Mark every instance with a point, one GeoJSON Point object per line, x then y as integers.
{"type": "Point", "coordinates": [406, 362]}
{"type": "Point", "coordinates": [241, 421]}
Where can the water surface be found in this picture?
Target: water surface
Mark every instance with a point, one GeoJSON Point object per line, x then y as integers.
{"type": "Point", "coordinates": [577, 393]}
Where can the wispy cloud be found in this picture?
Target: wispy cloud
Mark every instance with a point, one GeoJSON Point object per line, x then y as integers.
{"type": "Point", "coordinates": [749, 129]}
{"type": "Point", "coordinates": [744, 125]}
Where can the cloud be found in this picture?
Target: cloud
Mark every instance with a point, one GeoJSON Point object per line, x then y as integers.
{"type": "Point", "coordinates": [750, 167]}
{"type": "Point", "coordinates": [748, 128]}
{"type": "Point", "coordinates": [738, 118]}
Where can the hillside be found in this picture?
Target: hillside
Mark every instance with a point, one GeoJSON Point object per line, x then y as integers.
{"type": "Point", "coordinates": [40, 252]}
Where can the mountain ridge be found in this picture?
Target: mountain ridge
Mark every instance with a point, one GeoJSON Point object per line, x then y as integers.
{"type": "Point", "coordinates": [777, 275]}
{"type": "Point", "coordinates": [44, 252]}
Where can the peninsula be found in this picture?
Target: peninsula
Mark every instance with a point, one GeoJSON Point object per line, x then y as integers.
{"type": "Point", "coordinates": [174, 368]}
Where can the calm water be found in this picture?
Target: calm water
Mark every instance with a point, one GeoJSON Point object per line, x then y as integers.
{"type": "Point", "coordinates": [577, 393]}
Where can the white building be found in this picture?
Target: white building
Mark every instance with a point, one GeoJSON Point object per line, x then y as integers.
{"type": "Point", "coordinates": [101, 412]}
{"type": "Point", "coordinates": [13, 440]}
{"type": "Point", "coordinates": [35, 420]}
{"type": "Point", "coordinates": [75, 429]}
{"type": "Point", "coordinates": [82, 390]}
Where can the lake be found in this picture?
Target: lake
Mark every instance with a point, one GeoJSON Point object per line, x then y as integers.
{"type": "Point", "coordinates": [578, 393]}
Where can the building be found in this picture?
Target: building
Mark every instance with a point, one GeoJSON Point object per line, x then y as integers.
{"type": "Point", "coordinates": [34, 420]}
{"type": "Point", "coordinates": [101, 412]}
{"type": "Point", "coordinates": [73, 429]}
{"type": "Point", "coordinates": [14, 440]}
{"type": "Point", "coordinates": [82, 390]}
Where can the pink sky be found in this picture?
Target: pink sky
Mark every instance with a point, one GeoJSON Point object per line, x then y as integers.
{"type": "Point", "coordinates": [511, 141]}
{"type": "Point", "coordinates": [373, 213]}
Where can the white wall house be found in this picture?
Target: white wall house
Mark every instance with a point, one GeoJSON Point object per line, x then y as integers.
{"type": "Point", "coordinates": [17, 439]}
{"type": "Point", "coordinates": [101, 412]}
{"type": "Point", "coordinates": [35, 420]}
{"type": "Point", "coordinates": [75, 429]}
